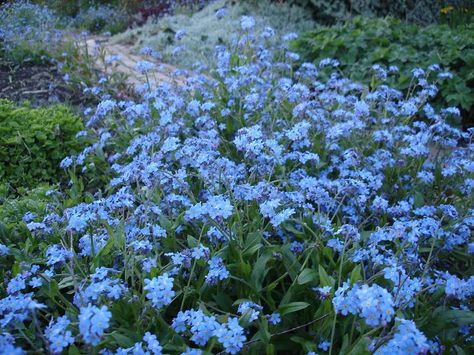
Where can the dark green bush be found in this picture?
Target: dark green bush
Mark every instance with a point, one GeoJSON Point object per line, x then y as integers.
{"type": "Point", "coordinates": [34, 141]}
{"type": "Point", "coordinates": [361, 43]}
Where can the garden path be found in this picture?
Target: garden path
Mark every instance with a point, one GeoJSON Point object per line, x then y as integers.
{"type": "Point", "coordinates": [164, 73]}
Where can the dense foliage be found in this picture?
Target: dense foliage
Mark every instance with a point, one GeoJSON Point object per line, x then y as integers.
{"type": "Point", "coordinates": [13, 208]}
{"type": "Point", "coordinates": [266, 210]}
{"type": "Point", "coordinates": [34, 141]}
{"type": "Point", "coordinates": [103, 18]}
{"type": "Point", "coordinates": [362, 45]}
{"type": "Point", "coordinates": [413, 11]}
{"type": "Point", "coordinates": [70, 8]}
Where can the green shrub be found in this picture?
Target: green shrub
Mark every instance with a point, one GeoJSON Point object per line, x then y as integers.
{"type": "Point", "coordinates": [361, 43]}
{"type": "Point", "coordinates": [413, 11]}
{"type": "Point", "coordinates": [34, 141]}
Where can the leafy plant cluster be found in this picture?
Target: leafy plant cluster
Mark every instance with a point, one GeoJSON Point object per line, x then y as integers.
{"type": "Point", "coordinates": [457, 15]}
{"type": "Point", "coordinates": [14, 208]}
{"type": "Point", "coordinates": [361, 45]}
{"type": "Point", "coordinates": [101, 18]}
{"type": "Point", "coordinates": [34, 141]}
{"type": "Point", "coordinates": [413, 11]}
{"type": "Point", "coordinates": [267, 209]}
{"type": "Point", "coordinates": [70, 8]}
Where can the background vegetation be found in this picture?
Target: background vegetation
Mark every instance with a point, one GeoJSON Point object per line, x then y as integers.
{"type": "Point", "coordinates": [361, 43]}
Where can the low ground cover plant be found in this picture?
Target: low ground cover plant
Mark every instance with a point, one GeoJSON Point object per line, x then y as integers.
{"type": "Point", "coordinates": [34, 141]}
{"type": "Point", "coordinates": [267, 209]}
{"type": "Point", "coordinates": [14, 208]}
{"type": "Point", "coordinates": [101, 18]}
{"type": "Point", "coordinates": [422, 12]}
{"type": "Point", "coordinates": [28, 32]}
{"type": "Point", "coordinates": [362, 43]}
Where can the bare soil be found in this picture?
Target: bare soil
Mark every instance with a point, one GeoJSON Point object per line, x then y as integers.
{"type": "Point", "coordinates": [40, 84]}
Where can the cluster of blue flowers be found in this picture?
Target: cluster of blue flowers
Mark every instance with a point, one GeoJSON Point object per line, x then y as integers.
{"type": "Point", "coordinates": [151, 345]}
{"type": "Point", "coordinates": [92, 323]}
{"type": "Point", "coordinates": [203, 328]}
{"type": "Point", "coordinates": [231, 336]}
{"type": "Point", "coordinates": [373, 303]}
{"type": "Point", "coordinates": [407, 340]}
{"type": "Point", "coordinates": [58, 335]}
{"type": "Point", "coordinates": [159, 290]}
{"type": "Point", "coordinates": [231, 203]}
{"type": "Point", "coordinates": [27, 28]}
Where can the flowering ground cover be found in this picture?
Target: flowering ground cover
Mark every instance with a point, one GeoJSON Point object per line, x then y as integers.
{"type": "Point", "coordinates": [266, 207]}
{"type": "Point", "coordinates": [187, 40]}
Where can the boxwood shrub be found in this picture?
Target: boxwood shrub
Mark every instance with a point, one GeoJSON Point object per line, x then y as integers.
{"type": "Point", "coordinates": [33, 141]}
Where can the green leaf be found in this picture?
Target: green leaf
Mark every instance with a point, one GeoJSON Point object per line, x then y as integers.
{"type": "Point", "coordinates": [457, 316]}
{"type": "Point", "coordinates": [355, 274]}
{"type": "Point", "coordinates": [306, 344]}
{"type": "Point", "coordinates": [441, 319]}
{"type": "Point", "coordinates": [361, 347]}
{"type": "Point", "coordinates": [53, 289]}
{"type": "Point", "coordinates": [419, 199]}
{"type": "Point", "coordinates": [192, 242]}
{"type": "Point", "coordinates": [293, 230]}
{"type": "Point", "coordinates": [73, 350]}
{"type": "Point", "coordinates": [292, 307]}
{"type": "Point", "coordinates": [306, 276]}
{"type": "Point", "coordinates": [324, 278]}
{"type": "Point", "coordinates": [345, 345]}
{"type": "Point", "coordinates": [252, 244]}
{"type": "Point", "coordinates": [459, 350]}
{"type": "Point", "coordinates": [263, 332]}
{"type": "Point", "coordinates": [122, 340]}
{"type": "Point", "coordinates": [260, 270]}
{"type": "Point", "coordinates": [290, 261]}
{"type": "Point", "coordinates": [223, 300]}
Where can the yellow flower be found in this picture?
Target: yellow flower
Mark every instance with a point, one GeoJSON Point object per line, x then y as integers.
{"type": "Point", "coordinates": [446, 9]}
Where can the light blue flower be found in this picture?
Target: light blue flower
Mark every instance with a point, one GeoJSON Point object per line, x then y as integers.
{"type": "Point", "coordinates": [92, 323]}
{"type": "Point", "coordinates": [159, 290]}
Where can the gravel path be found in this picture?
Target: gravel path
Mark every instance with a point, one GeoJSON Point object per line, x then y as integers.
{"type": "Point", "coordinates": [127, 61]}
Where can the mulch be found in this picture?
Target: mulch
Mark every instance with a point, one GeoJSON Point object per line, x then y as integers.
{"type": "Point", "coordinates": [40, 84]}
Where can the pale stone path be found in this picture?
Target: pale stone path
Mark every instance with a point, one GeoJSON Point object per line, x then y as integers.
{"type": "Point", "coordinates": [127, 61]}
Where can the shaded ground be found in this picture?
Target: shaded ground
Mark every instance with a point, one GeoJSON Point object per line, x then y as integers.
{"type": "Point", "coordinates": [39, 84]}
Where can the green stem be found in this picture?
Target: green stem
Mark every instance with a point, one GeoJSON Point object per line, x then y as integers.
{"type": "Point", "coordinates": [333, 330]}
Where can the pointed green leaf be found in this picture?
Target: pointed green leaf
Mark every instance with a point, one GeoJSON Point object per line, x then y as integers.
{"type": "Point", "coordinates": [292, 307]}
{"type": "Point", "coordinates": [306, 276]}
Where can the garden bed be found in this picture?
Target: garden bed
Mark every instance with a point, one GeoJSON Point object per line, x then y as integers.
{"type": "Point", "coordinates": [38, 84]}
{"type": "Point", "coordinates": [270, 205]}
